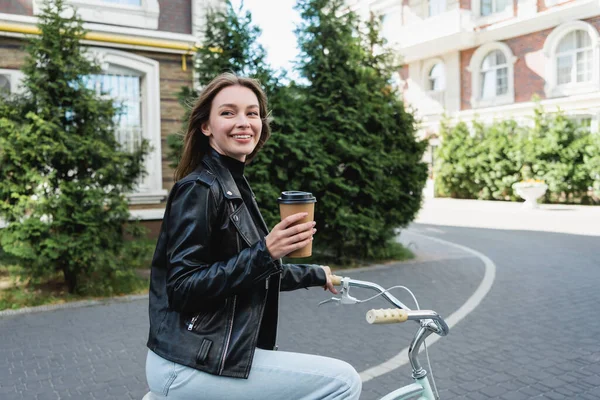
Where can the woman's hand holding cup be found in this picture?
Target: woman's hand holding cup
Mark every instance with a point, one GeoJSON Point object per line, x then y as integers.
{"type": "Point", "coordinates": [287, 237]}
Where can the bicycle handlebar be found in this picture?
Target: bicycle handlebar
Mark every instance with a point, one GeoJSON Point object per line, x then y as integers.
{"type": "Point", "coordinates": [400, 313]}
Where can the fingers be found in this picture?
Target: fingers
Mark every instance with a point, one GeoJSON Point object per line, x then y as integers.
{"type": "Point", "coordinates": [331, 288]}
{"type": "Point", "coordinates": [292, 219]}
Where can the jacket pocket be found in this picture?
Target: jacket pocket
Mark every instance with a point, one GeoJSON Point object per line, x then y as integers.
{"type": "Point", "coordinates": [202, 355]}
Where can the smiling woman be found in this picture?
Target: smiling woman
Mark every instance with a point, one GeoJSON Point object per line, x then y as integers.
{"type": "Point", "coordinates": [217, 270]}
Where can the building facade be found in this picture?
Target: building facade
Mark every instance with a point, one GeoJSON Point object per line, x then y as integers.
{"type": "Point", "coordinates": [146, 51]}
{"type": "Point", "coordinates": [489, 59]}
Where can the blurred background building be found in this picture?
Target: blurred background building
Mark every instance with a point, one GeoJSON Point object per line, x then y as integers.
{"type": "Point", "coordinates": [487, 59]}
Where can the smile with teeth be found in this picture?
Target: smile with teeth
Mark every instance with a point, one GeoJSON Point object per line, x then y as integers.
{"type": "Point", "coordinates": [241, 136]}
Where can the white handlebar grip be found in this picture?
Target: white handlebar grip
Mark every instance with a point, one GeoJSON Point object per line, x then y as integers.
{"type": "Point", "coordinates": [386, 316]}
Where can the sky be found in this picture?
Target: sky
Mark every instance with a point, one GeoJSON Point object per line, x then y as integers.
{"type": "Point", "coordinates": [277, 19]}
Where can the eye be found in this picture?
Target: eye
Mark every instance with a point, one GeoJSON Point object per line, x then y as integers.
{"type": "Point", "coordinates": [226, 113]}
{"type": "Point", "coordinates": [253, 113]}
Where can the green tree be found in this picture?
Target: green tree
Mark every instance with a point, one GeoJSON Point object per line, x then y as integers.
{"type": "Point", "coordinates": [65, 175]}
{"type": "Point", "coordinates": [360, 157]}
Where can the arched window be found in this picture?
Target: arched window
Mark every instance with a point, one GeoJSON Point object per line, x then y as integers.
{"type": "Point", "coordinates": [574, 58]}
{"type": "Point", "coordinates": [437, 78]}
{"type": "Point", "coordinates": [572, 52]}
{"type": "Point", "coordinates": [494, 75]}
{"type": "Point", "coordinates": [132, 82]}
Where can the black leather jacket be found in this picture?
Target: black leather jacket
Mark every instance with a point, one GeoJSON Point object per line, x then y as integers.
{"type": "Point", "coordinates": [214, 287]}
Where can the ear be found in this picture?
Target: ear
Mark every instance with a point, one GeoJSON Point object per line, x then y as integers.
{"type": "Point", "coordinates": [205, 129]}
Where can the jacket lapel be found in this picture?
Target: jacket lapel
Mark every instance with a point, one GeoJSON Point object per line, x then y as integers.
{"type": "Point", "coordinates": [239, 215]}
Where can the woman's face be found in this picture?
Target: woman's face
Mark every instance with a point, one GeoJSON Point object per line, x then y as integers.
{"type": "Point", "coordinates": [234, 124]}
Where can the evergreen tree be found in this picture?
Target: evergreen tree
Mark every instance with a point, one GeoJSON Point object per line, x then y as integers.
{"type": "Point", "coordinates": [363, 161]}
{"type": "Point", "coordinates": [65, 175]}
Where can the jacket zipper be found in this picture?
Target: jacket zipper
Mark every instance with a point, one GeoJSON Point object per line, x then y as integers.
{"type": "Point", "coordinates": [193, 322]}
{"type": "Point", "coordinates": [228, 336]}
{"type": "Point", "coordinates": [275, 347]}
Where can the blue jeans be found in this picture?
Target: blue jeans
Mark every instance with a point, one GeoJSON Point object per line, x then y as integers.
{"type": "Point", "coordinates": [274, 375]}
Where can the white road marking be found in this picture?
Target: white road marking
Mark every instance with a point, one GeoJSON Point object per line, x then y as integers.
{"type": "Point", "coordinates": [484, 287]}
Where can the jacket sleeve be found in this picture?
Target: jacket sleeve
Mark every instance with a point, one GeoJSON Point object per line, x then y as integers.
{"type": "Point", "coordinates": [192, 279]}
{"type": "Point", "coordinates": [296, 276]}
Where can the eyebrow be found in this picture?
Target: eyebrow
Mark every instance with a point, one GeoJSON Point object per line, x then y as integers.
{"type": "Point", "coordinates": [235, 105]}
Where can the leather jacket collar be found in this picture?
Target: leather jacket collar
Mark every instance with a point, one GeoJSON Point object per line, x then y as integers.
{"type": "Point", "coordinates": [213, 161]}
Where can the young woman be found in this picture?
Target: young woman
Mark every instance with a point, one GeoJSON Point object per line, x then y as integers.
{"type": "Point", "coordinates": [217, 274]}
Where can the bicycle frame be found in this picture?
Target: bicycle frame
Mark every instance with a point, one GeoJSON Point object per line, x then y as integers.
{"type": "Point", "coordinates": [420, 387]}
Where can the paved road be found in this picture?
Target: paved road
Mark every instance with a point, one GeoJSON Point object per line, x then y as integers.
{"type": "Point", "coordinates": [533, 336]}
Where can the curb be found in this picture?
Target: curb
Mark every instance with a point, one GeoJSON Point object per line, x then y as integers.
{"type": "Point", "coordinates": [75, 304]}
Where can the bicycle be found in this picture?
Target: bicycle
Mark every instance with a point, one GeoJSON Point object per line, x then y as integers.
{"type": "Point", "coordinates": [429, 321]}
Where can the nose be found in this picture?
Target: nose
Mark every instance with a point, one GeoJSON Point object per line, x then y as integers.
{"type": "Point", "coordinates": [242, 121]}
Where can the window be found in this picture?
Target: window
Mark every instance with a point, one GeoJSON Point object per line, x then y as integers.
{"type": "Point", "coordinates": [133, 82]}
{"type": "Point", "coordinates": [436, 7]}
{"type": "Point", "coordinates": [10, 81]}
{"type": "Point", "coordinates": [574, 58]}
{"type": "Point", "coordinates": [4, 85]}
{"type": "Point", "coordinates": [133, 13]}
{"type": "Point", "coordinates": [488, 12]}
{"type": "Point", "coordinates": [494, 75]}
{"type": "Point", "coordinates": [437, 78]}
{"type": "Point", "coordinates": [391, 21]}
{"type": "Point", "coordinates": [125, 88]}
{"type": "Point", "coordinates": [489, 7]}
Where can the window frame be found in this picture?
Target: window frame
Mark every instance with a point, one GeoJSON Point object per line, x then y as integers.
{"type": "Point", "coordinates": [152, 191]}
{"type": "Point", "coordinates": [476, 82]}
{"type": "Point", "coordinates": [144, 16]}
{"type": "Point", "coordinates": [552, 88]}
{"type": "Point", "coordinates": [494, 68]}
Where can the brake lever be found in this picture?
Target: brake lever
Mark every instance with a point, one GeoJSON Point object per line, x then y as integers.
{"type": "Point", "coordinates": [345, 296]}
{"type": "Point", "coordinates": [331, 300]}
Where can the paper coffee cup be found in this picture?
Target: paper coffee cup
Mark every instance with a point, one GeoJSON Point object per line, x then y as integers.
{"type": "Point", "coordinates": [293, 202]}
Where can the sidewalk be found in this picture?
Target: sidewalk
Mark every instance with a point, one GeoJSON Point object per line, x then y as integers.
{"type": "Point", "coordinates": [572, 219]}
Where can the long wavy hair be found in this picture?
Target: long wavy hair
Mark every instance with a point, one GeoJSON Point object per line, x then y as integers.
{"type": "Point", "coordinates": [195, 143]}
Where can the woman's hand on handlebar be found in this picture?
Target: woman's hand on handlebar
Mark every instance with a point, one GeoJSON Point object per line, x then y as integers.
{"type": "Point", "coordinates": [329, 285]}
{"type": "Point", "coordinates": [285, 238]}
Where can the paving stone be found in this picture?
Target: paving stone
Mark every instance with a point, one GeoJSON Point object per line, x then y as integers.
{"type": "Point", "coordinates": [511, 347]}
